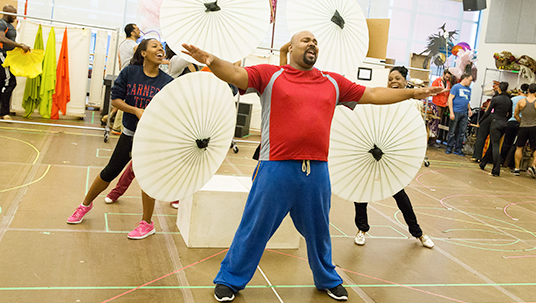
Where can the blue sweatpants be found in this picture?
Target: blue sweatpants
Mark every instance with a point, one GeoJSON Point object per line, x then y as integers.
{"type": "Point", "coordinates": [280, 187]}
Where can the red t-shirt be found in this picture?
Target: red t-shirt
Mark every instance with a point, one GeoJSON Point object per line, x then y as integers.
{"type": "Point", "coordinates": [440, 99]}
{"type": "Point", "coordinates": [297, 109]}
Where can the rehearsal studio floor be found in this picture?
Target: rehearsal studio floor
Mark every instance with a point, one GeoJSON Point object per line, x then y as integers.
{"type": "Point", "coordinates": [483, 227]}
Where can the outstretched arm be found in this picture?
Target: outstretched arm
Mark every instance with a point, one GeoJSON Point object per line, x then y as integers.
{"type": "Point", "coordinates": [381, 95]}
{"type": "Point", "coordinates": [222, 69]}
{"type": "Point", "coordinates": [5, 40]}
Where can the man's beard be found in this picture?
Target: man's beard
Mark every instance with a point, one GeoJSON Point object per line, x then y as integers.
{"type": "Point", "coordinates": [308, 61]}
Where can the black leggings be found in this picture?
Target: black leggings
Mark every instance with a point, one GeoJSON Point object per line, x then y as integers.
{"type": "Point", "coordinates": [404, 204]}
{"type": "Point", "coordinates": [120, 158]}
{"type": "Point", "coordinates": [483, 132]}
{"type": "Point", "coordinates": [497, 129]}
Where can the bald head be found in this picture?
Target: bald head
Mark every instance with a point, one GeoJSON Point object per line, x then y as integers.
{"type": "Point", "coordinates": [297, 36]}
{"type": "Point", "coordinates": [303, 50]}
{"type": "Point", "coordinates": [9, 9]}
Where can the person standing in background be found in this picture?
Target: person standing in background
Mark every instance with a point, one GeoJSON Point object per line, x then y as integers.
{"type": "Point", "coordinates": [497, 115]}
{"type": "Point", "coordinates": [460, 110]}
{"type": "Point", "coordinates": [440, 101]}
{"type": "Point", "coordinates": [178, 66]}
{"type": "Point", "coordinates": [484, 124]}
{"type": "Point", "coordinates": [525, 114]}
{"type": "Point", "coordinates": [125, 53]}
{"type": "Point", "coordinates": [127, 47]}
{"type": "Point", "coordinates": [8, 34]}
{"type": "Point", "coordinates": [511, 129]}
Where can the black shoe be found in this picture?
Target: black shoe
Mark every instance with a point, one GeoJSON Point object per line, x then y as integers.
{"type": "Point", "coordinates": [516, 172]}
{"type": "Point", "coordinates": [223, 293]}
{"type": "Point", "coordinates": [338, 293]}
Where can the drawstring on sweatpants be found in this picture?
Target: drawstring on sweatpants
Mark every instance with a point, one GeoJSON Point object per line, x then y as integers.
{"type": "Point", "coordinates": [306, 167]}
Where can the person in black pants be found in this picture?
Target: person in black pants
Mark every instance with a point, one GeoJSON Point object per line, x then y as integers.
{"type": "Point", "coordinates": [8, 34]}
{"type": "Point", "coordinates": [484, 125]}
{"type": "Point", "coordinates": [404, 204]}
{"type": "Point", "coordinates": [508, 149]}
{"type": "Point", "coordinates": [501, 106]}
{"type": "Point", "coordinates": [397, 79]}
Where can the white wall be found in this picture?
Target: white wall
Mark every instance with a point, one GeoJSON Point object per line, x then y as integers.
{"type": "Point", "coordinates": [485, 58]}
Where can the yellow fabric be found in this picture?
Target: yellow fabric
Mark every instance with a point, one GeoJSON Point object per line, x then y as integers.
{"type": "Point", "coordinates": [48, 78]}
{"type": "Point", "coordinates": [25, 64]}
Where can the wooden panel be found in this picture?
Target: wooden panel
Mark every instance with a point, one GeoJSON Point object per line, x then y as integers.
{"type": "Point", "coordinates": [378, 37]}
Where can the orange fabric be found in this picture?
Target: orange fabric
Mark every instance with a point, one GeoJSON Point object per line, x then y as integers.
{"type": "Point", "coordinates": [62, 95]}
{"type": "Point", "coordinates": [440, 99]}
{"type": "Point", "coordinates": [206, 69]}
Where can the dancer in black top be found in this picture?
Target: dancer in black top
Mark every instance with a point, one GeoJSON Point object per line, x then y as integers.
{"type": "Point", "coordinates": [501, 106]}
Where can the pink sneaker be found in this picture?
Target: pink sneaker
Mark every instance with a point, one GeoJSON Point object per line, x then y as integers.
{"type": "Point", "coordinates": [143, 230]}
{"type": "Point", "coordinates": [79, 213]}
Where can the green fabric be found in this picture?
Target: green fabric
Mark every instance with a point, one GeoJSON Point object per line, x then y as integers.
{"type": "Point", "coordinates": [48, 80]}
{"type": "Point", "coordinates": [32, 96]}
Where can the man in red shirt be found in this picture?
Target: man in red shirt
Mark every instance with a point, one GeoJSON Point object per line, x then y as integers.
{"type": "Point", "coordinates": [298, 102]}
{"type": "Point", "coordinates": [440, 100]}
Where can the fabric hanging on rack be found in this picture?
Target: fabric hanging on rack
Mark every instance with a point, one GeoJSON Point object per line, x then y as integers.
{"type": "Point", "coordinates": [62, 96]}
{"type": "Point", "coordinates": [31, 97]}
{"type": "Point", "coordinates": [48, 83]}
{"type": "Point", "coordinates": [97, 71]}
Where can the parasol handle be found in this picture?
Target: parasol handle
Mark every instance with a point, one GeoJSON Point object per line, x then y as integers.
{"type": "Point", "coordinates": [212, 7]}
{"type": "Point", "coordinates": [376, 152]}
{"type": "Point", "coordinates": [202, 143]}
{"type": "Point", "coordinates": [337, 19]}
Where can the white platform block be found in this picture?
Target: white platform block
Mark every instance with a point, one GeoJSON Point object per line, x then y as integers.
{"type": "Point", "coordinates": [211, 216]}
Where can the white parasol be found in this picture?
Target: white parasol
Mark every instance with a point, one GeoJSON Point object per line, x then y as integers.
{"type": "Point", "coordinates": [375, 150]}
{"type": "Point", "coordinates": [229, 29]}
{"type": "Point", "coordinates": [340, 28]}
{"type": "Point", "coordinates": [183, 136]}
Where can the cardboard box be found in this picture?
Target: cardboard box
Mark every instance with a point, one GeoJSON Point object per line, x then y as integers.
{"type": "Point", "coordinates": [378, 37]}
{"type": "Point", "coordinates": [417, 61]}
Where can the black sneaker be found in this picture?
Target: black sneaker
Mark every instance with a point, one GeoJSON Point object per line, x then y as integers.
{"type": "Point", "coordinates": [223, 293]}
{"type": "Point", "coordinates": [516, 172]}
{"type": "Point", "coordinates": [338, 293]}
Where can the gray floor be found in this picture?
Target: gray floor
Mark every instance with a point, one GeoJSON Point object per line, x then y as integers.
{"type": "Point", "coordinates": [483, 228]}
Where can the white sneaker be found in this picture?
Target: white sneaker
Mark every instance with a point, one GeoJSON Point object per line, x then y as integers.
{"type": "Point", "coordinates": [426, 241]}
{"type": "Point", "coordinates": [108, 200]}
{"type": "Point", "coordinates": [174, 204]}
{"type": "Point", "coordinates": [360, 238]}
{"type": "Point", "coordinates": [532, 171]}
